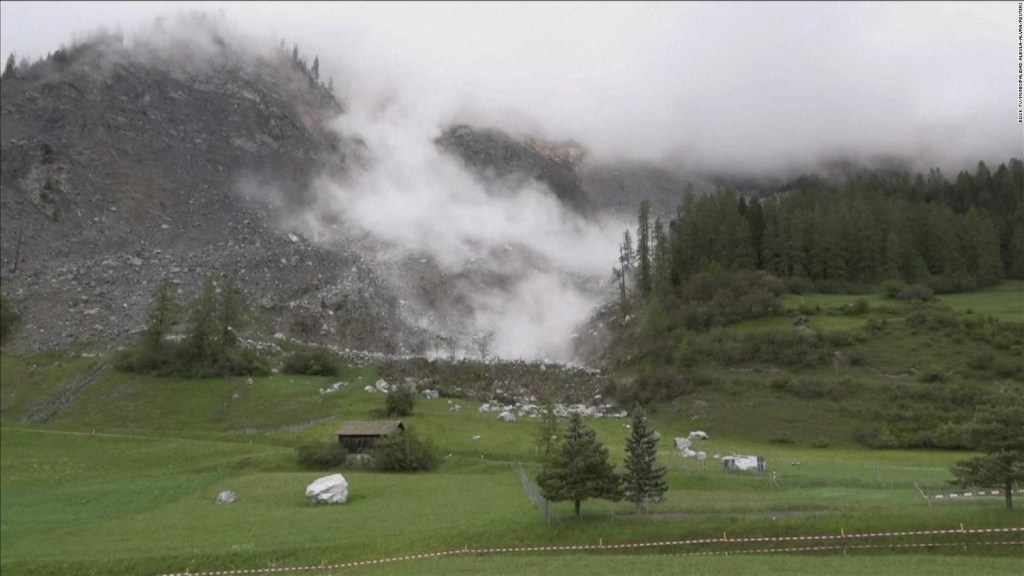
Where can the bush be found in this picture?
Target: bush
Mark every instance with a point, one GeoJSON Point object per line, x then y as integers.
{"type": "Point", "coordinates": [820, 443]}
{"type": "Point", "coordinates": [400, 401]}
{"type": "Point", "coordinates": [321, 456]}
{"type": "Point", "coordinates": [892, 288]}
{"type": "Point", "coordinates": [312, 361]}
{"type": "Point", "coordinates": [8, 318]}
{"type": "Point", "coordinates": [916, 292]}
{"type": "Point", "coordinates": [404, 452]}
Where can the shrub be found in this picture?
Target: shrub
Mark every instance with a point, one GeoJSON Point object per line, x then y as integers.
{"type": "Point", "coordinates": [820, 443]}
{"type": "Point", "coordinates": [8, 318]}
{"type": "Point", "coordinates": [892, 288]}
{"type": "Point", "coordinates": [916, 292]}
{"type": "Point", "coordinates": [875, 437]}
{"type": "Point", "coordinates": [400, 401]}
{"type": "Point", "coordinates": [860, 307]}
{"type": "Point", "coordinates": [404, 452]}
{"type": "Point", "coordinates": [312, 361]}
{"type": "Point", "coordinates": [321, 456]}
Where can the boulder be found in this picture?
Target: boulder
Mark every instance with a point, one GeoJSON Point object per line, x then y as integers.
{"type": "Point", "coordinates": [430, 394]}
{"type": "Point", "coordinates": [331, 489]}
{"type": "Point", "coordinates": [698, 435]}
{"type": "Point", "coordinates": [683, 443]}
{"type": "Point", "coordinates": [382, 385]}
{"type": "Point", "coordinates": [226, 497]}
{"type": "Point", "coordinates": [507, 417]}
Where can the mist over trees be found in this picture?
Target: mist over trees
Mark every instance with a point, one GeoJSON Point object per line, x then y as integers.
{"type": "Point", "coordinates": [950, 236]}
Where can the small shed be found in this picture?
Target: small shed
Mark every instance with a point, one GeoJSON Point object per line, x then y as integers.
{"type": "Point", "coordinates": [358, 436]}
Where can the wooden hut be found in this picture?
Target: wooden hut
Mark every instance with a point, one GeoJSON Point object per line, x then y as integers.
{"type": "Point", "coordinates": [358, 437]}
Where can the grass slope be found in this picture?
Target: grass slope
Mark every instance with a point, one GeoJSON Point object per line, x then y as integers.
{"type": "Point", "coordinates": [122, 480]}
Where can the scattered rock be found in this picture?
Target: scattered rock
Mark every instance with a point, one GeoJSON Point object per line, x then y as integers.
{"type": "Point", "coordinates": [331, 489]}
{"type": "Point", "coordinates": [226, 497]}
{"type": "Point", "coordinates": [507, 417]}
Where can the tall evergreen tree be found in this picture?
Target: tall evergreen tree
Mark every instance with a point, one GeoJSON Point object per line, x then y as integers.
{"type": "Point", "coordinates": [645, 278]}
{"type": "Point", "coordinates": [163, 315]}
{"type": "Point", "coordinates": [201, 335]}
{"type": "Point", "coordinates": [9, 68]}
{"type": "Point", "coordinates": [643, 480]}
{"type": "Point", "coordinates": [579, 469]}
{"type": "Point", "coordinates": [231, 312]}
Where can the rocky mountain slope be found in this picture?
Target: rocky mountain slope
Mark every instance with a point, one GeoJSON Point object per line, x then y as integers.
{"type": "Point", "coordinates": [121, 166]}
{"type": "Point", "coordinates": [179, 158]}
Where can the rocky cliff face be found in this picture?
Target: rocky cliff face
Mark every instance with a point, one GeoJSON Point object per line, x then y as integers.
{"type": "Point", "coordinates": [494, 154]}
{"type": "Point", "coordinates": [121, 166]}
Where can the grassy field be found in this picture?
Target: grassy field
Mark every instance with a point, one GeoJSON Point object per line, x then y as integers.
{"type": "Point", "coordinates": [1005, 302]}
{"type": "Point", "coordinates": [122, 477]}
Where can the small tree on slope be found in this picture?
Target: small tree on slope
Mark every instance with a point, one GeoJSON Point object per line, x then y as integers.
{"type": "Point", "coordinates": [578, 468]}
{"type": "Point", "coordinates": [643, 481]}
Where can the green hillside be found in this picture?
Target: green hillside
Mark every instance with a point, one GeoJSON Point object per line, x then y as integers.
{"type": "Point", "coordinates": [106, 472]}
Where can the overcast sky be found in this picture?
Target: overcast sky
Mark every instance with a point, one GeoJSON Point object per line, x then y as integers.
{"type": "Point", "coordinates": [756, 86]}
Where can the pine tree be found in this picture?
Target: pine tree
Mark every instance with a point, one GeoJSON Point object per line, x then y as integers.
{"type": "Point", "coordinates": [201, 336]}
{"type": "Point", "coordinates": [643, 481]}
{"type": "Point", "coordinates": [316, 68]}
{"type": "Point", "coordinates": [645, 280]}
{"type": "Point", "coordinates": [231, 312]}
{"type": "Point", "coordinates": [9, 68]}
{"type": "Point", "coordinates": [579, 469]}
{"type": "Point", "coordinates": [163, 314]}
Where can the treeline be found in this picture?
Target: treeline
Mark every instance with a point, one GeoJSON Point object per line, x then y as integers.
{"type": "Point", "coordinates": [840, 236]}
{"type": "Point", "coordinates": [209, 345]}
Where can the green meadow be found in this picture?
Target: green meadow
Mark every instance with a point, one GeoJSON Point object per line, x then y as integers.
{"type": "Point", "coordinates": [122, 477]}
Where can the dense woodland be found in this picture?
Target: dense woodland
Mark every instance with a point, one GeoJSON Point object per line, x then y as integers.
{"type": "Point", "coordinates": [848, 236]}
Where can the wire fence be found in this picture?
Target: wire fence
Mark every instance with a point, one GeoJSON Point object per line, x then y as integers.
{"type": "Point", "coordinates": [533, 492]}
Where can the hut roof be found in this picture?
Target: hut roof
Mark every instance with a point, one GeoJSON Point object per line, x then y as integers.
{"type": "Point", "coordinates": [369, 428]}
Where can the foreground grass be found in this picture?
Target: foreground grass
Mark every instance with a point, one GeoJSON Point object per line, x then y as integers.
{"type": "Point", "coordinates": [122, 504]}
{"type": "Point", "coordinates": [605, 563]}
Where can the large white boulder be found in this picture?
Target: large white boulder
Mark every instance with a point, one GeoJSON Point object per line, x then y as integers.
{"type": "Point", "coordinates": [331, 489]}
{"type": "Point", "coordinates": [698, 435]}
{"type": "Point", "coordinates": [507, 417]}
{"type": "Point", "coordinates": [382, 385]}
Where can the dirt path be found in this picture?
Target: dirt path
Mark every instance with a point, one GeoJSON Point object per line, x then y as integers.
{"type": "Point", "coordinates": [44, 410]}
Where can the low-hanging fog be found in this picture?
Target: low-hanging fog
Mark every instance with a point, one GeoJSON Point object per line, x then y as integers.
{"type": "Point", "coordinates": [546, 265]}
{"type": "Point", "coordinates": [743, 88]}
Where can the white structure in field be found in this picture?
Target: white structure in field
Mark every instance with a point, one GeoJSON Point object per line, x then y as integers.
{"type": "Point", "coordinates": [744, 463]}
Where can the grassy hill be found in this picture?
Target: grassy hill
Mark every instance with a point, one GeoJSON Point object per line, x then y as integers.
{"type": "Point", "coordinates": [105, 472]}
